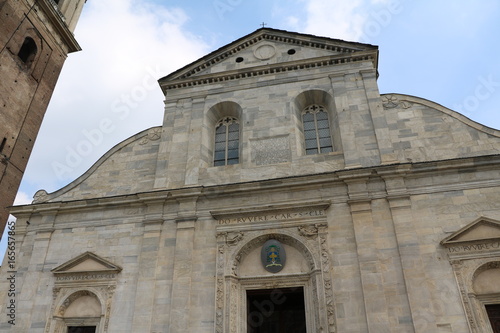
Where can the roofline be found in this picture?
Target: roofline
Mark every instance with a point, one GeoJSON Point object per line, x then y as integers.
{"type": "Point", "coordinates": [262, 31]}
{"type": "Point", "coordinates": [361, 56]}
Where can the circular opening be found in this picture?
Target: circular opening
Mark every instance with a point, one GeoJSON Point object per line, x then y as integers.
{"type": "Point", "coordinates": [291, 51]}
{"type": "Point", "coordinates": [239, 59]}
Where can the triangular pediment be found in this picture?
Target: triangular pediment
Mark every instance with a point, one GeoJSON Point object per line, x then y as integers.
{"type": "Point", "coordinates": [266, 48]}
{"type": "Point", "coordinates": [482, 229]}
{"type": "Point", "coordinates": [87, 262]}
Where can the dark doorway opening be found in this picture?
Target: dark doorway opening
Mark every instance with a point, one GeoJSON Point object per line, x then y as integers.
{"type": "Point", "coordinates": [493, 311]}
{"type": "Point", "coordinates": [279, 310]}
{"type": "Point", "coordinates": [81, 329]}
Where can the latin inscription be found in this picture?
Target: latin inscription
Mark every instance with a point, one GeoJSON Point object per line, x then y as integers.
{"type": "Point", "coordinates": [85, 277]}
{"type": "Point", "coordinates": [475, 247]}
{"type": "Point", "coordinates": [273, 217]}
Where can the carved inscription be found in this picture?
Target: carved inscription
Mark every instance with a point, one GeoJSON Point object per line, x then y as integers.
{"type": "Point", "coordinates": [272, 217]}
{"type": "Point", "coordinates": [474, 247]}
{"type": "Point", "coordinates": [85, 277]}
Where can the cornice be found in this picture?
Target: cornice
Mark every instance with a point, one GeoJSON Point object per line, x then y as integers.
{"type": "Point", "coordinates": [276, 208]}
{"type": "Point", "coordinates": [297, 40]}
{"type": "Point", "coordinates": [57, 21]}
{"type": "Point", "coordinates": [405, 170]}
{"type": "Point", "coordinates": [185, 82]}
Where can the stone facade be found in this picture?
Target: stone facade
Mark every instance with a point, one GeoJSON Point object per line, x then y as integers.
{"type": "Point", "coordinates": [35, 38]}
{"type": "Point", "coordinates": [395, 229]}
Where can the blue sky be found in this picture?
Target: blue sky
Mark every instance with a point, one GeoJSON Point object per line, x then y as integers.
{"type": "Point", "coordinates": [445, 51]}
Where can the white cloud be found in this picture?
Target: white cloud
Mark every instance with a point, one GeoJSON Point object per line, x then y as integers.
{"type": "Point", "coordinates": [355, 20]}
{"type": "Point", "coordinates": [293, 22]}
{"type": "Point", "coordinates": [22, 198]}
{"type": "Point", "coordinates": [336, 18]}
{"type": "Point", "coordinates": [124, 54]}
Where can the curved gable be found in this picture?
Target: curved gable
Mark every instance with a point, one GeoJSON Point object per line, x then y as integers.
{"type": "Point", "coordinates": [128, 167]}
{"type": "Point", "coordinates": [421, 130]}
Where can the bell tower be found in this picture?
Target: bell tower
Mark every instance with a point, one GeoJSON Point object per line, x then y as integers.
{"type": "Point", "coordinates": [35, 38]}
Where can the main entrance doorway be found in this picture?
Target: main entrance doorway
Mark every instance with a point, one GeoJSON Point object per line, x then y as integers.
{"type": "Point", "coordinates": [493, 311]}
{"type": "Point", "coordinates": [81, 329]}
{"type": "Point", "coordinates": [279, 310]}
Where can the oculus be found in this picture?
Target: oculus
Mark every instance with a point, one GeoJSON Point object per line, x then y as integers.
{"type": "Point", "coordinates": [273, 256]}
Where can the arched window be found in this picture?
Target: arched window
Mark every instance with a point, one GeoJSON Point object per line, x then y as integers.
{"type": "Point", "coordinates": [317, 135]}
{"type": "Point", "coordinates": [28, 51]}
{"type": "Point", "coordinates": [227, 141]}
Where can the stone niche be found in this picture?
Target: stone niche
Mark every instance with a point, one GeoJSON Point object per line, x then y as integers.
{"type": "Point", "coordinates": [474, 253]}
{"type": "Point", "coordinates": [302, 231]}
{"type": "Point", "coordinates": [82, 294]}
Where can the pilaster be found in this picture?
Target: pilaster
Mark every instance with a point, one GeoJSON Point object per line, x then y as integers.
{"type": "Point", "coordinates": [377, 319]}
{"type": "Point", "coordinates": [382, 134]}
{"type": "Point", "coordinates": [183, 270]}
{"type": "Point", "coordinates": [353, 108]}
{"type": "Point", "coordinates": [193, 162]}
{"type": "Point", "coordinates": [29, 309]}
{"type": "Point", "coordinates": [162, 165]}
{"type": "Point", "coordinates": [385, 300]}
{"type": "Point", "coordinates": [148, 261]}
{"type": "Point", "coordinates": [415, 277]}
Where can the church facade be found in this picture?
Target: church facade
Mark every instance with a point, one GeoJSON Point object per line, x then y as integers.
{"type": "Point", "coordinates": [282, 193]}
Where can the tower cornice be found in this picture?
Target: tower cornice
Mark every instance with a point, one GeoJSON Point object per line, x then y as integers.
{"type": "Point", "coordinates": [60, 26]}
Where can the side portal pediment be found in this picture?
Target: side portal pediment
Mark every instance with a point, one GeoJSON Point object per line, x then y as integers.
{"type": "Point", "coordinates": [87, 262]}
{"type": "Point", "coordinates": [482, 229]}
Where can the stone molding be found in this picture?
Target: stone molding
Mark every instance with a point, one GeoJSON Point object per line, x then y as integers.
{"type": "Point", "coordinates": [71, 283]}
{"type": "Point", "coordinates": [420, 169]}
{"type": "Point", "coordinates": [308, 239]}
{"type": "Point", "coordinates": [271, 70]}
{"type": "Point", "coordinates": [459, 246]}
{"type": "Point", "coordinates": [230, 213]}
{"type": "Point", "coordinates": [64, 296]}
{"type": "Point", "coordinates": [67, 268]}
{"type": "Point", "coordinates": [56, 20]}
{"type": "Point", "coordinates": [468, 257]}
{"type": "Point", "coordinates": [465, 271]}
{"type": "Point", "coordinates": [268, 36]}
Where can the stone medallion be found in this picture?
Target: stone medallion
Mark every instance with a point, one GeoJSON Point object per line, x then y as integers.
{"type": "Point", "coordinates": [264, 52]}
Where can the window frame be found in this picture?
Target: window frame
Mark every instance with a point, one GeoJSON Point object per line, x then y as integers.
{"type": "Point", "coordinates": [229, 144]}
{"type": "Point", "coordinates": [320, 147]}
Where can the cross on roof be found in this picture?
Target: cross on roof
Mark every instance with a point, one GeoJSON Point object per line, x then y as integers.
{"type": "Point", "coordinates": [263, 24]}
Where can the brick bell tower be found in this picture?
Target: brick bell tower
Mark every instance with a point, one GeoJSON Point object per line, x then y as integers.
{"type": "Point", "coordinates": [35, 39]}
